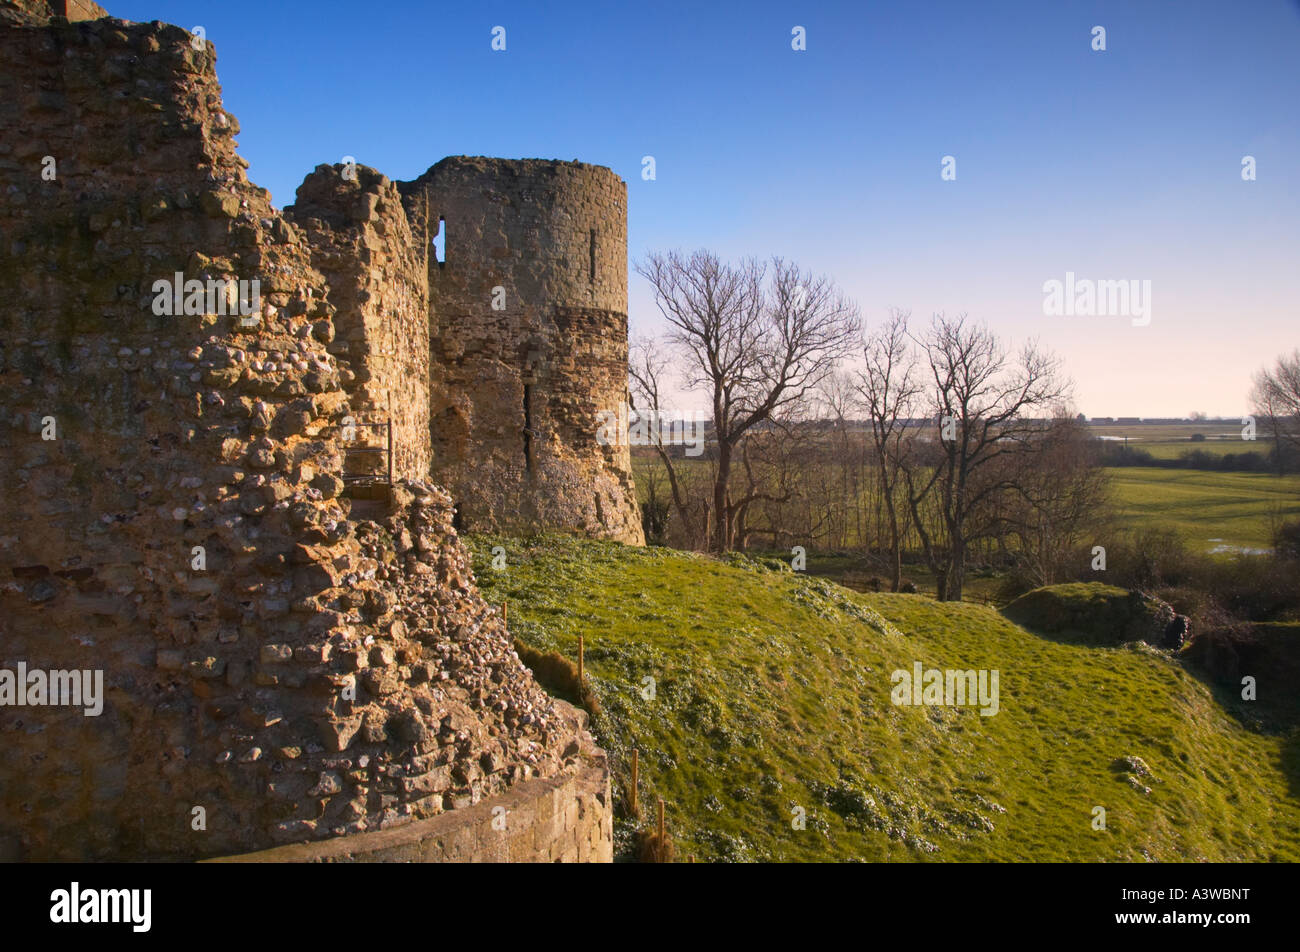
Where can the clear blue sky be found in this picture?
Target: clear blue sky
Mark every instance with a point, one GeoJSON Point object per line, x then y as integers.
{"type": "Point", "coordinates": [1123, 164]}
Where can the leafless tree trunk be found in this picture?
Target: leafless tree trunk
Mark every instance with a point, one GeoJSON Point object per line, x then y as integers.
{"type": "Point", "coordinates": [983, 403]}
{"type": "Point", "coordinates": [753, 347]}
{"type": "Point", "coordinates": [889, 387]}
{"type": "Point", "coordinates": [1060, 503]}
{"type": "Point", "coordinates": [647, 368]}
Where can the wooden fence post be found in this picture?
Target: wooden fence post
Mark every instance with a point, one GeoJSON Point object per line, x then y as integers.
{"type": "Point", "coordinates": [632, 806]}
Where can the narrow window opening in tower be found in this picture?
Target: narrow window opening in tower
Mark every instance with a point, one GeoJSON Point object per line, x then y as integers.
{"type": "Point", "coordinates": [440, 242]}
{"type": "Point", "coordinates": [591, 274]}
{"type": "Point", "coordinates": [528, 427]}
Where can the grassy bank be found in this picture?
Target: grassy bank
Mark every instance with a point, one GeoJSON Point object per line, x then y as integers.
{"type": "Point", "coordinates": [771, 693]}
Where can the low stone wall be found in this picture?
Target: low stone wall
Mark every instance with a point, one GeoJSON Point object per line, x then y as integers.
{"type": "Point", "coordinates": [560, 819]}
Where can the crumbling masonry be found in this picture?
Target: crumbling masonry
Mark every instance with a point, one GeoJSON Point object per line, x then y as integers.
{"type": "Point", "coordinates": [246, 521]}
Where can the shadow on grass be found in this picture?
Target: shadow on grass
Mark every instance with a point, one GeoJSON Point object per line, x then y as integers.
{"type": "Point", "coordinates": [1291, 762]}
{"type": "Point", "coordinates": [1251, 671]}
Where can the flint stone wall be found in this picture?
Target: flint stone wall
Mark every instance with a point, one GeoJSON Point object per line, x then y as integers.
{"type": "Point", "coordinates": [359, 238]}
{"type": "Point", "coordinates": [43, 10]}
{"type": "Point", "coordinates": [318, 674]}
{"type": "Point", "coordinates": [559, 819]}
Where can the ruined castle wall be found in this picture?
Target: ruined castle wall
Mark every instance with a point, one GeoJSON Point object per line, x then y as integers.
{"type": "Point", "coordinates": [78, 9]}
{"type": "Point", "coordinates": [378, 289]}
{"type": "Point", "coordinates": [517, 387]}
{"type": "Point", "coordinates": [274, 670]}
{"type": "Point", "coordinates": [40, 11]}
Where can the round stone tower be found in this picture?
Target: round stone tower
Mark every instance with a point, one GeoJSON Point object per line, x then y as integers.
{"type": "Point", "coordinates": [528, 323]}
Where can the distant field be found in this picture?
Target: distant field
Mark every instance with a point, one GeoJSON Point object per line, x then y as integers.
{"type": "Point", "coordinates": [1168, 431]}
{"type": "Point", "coordinates": [1169, 441]}
{"type": "Point", "coordinates": [1174, 448]}
{"type": "Point", "coordinates": [1235, 508]}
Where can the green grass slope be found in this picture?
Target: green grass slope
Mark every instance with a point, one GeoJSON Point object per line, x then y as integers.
{"type": "Point", "coordinates": [771, 693]}
{"type": "Point", "coordinates": [1089, 611]}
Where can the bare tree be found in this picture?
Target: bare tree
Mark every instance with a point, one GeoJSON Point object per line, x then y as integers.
{"type": "Point", "coordinates": [774, 461]}
{"type": "Point", "coordinates": [1276, 398]}
{"type": "Point", "coordinates": [837, 399]}
{"type": "Point", "coordinates": [654, 509]}
{"type": "Point", "coordinates": [889, 387]}
{"type": "Point", "coordinates": [1059, 505]}
{"type": "Point", "coordinates": [983, 403]}
{"type": "Point", "coordinates": [753, 347]}
{"type": "Point", "coordinates": [648, 369]}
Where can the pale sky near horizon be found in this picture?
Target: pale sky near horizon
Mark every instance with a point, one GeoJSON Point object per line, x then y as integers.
{"type": "Point", "coordinates": [1115, 165]}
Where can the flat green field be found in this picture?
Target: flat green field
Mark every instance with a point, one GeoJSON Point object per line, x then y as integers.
{"type": "Point", "coordinates": [1172, 449]}
{"type": "Point", "coordinates": [760, 702]}
{"type": "Point", "coordinates": [1167, 431]}
{"type": "Point", "coordinates": [1236, 509]}
{"type": "Point", "coordinates": [1172, 440]}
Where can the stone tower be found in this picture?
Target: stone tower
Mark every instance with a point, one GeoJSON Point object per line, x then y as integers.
{"type": "Point", "coordinates": [528, 325]}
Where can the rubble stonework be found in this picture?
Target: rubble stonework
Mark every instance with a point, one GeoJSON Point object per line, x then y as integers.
{"type": "Point", "coordinates": [279, 666]}
{"type": "Point", "coordinates": [359, 239]}
{"type": "Point", "coordinates": [41, 11]}
{"type": "Point", "coordinates": [559, 819]}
